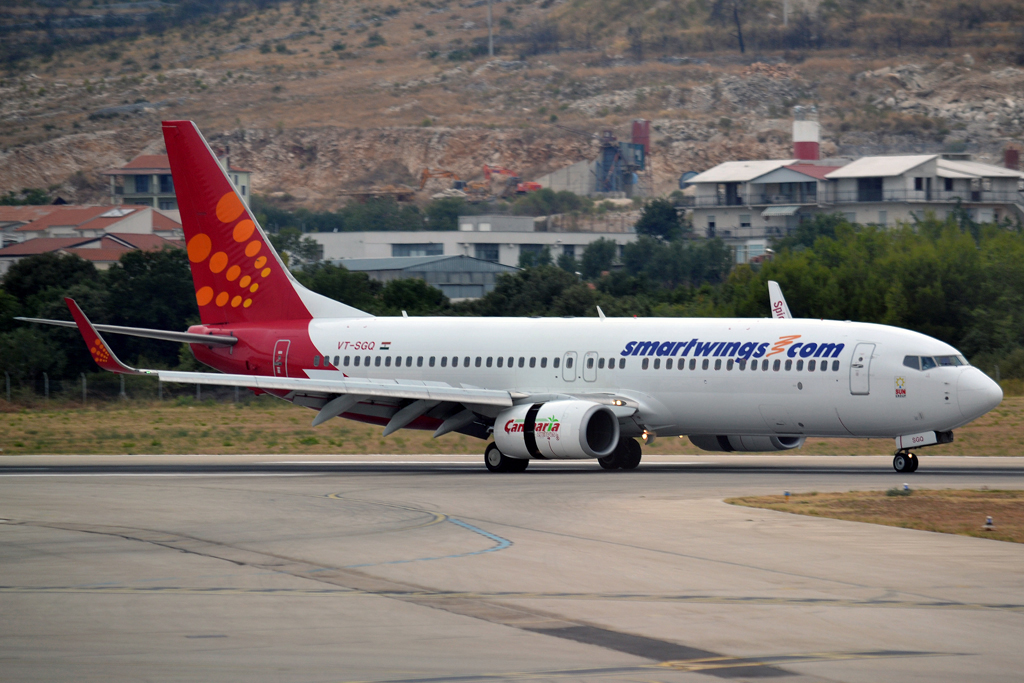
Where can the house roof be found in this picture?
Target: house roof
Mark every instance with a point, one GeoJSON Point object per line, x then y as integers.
{"type": "Point", "coordinates": [42, 245]}
{"type": "Point", "coordinates": [973, 169]}
{"type": "Point", "coordinates": [152, 163]}
{"type": "Point", "coordinates": [24, 214]}
{"type": "Point", "coordinates": [874, 167]}
{"type": "Point", "coordinates": [97, 255]}
{"type": "Point", "coordinates": [144, 241]}
{"type": "Point", "coordinates": [813, 170]}
{"type": "Point", "coordinates": [739, 171]}
{"type": "Point", "coordinates": [69, 215]}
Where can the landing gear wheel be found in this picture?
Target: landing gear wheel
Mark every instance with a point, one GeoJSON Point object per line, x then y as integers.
{"type": "Point", "coordinates": [610, 462]}
{"type": "Point", "coordinates": [496, 461]}
{"type": "Point", "coordinates": [904, 462]}
{"type": "Point", "coordinates": [914, 462]}
{"type": "Point", "coordinates": [631, 454]}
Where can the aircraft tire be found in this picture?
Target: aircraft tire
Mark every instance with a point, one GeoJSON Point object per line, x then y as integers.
{"type": "Point", "coordinates": [518, 465]}
{"type": "Point", "coordinates": [901, 462]}
{"type": "Point", "coordinates": [496, 461]}
{"type": "Point", "coordinates": [631, 456]}
{"type": "Point", "coordinates": [609, 462]}
{"type": "Point", "coordinates": [914, 462]}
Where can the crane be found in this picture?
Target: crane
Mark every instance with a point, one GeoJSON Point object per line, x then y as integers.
{"type": "Point", "coordinates": [513, 180]}
{"type": "Point", "coordinates": [429, 173]}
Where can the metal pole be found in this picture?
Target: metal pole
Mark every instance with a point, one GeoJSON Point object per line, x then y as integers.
{"type": "Point", "coordinates": [785, 12]}
{"type": "Point", "coordinates": [46, 386]}
{"type": "Point", "coordinates": [490, 30]}
{"type": "Point", "coordinates": [122, 394]}
{"type": "Point", "coordinates": [198, 392]}
{"type": "Point", "coordinates": [83, 388]}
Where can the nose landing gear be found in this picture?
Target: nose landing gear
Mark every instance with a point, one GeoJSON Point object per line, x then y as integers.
{"type": "Point", "coordinates": [905, 461]}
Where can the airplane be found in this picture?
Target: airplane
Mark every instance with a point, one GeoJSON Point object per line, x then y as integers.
{"type": "Point", "coordinates": [543, 388]}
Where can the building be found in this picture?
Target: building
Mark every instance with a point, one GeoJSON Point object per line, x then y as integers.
{"type": "Point", "coordinates": [747, 203]}
{"type": "Point", "coordinates": [147, 180]}
{"type": "Point", "coordinates": [102, 250]}
{"type": "Point", "coordinates": [503, 247]}
{"type": "Point", "coordinates": [459, 277]}
{"type": "Point", "coordinates": [618, 171]}
{"type": "Point", "coordinates": [21, 223]}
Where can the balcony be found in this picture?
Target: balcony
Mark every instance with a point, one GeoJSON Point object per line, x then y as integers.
{"type": "Point", "coordinates": [867, 197]}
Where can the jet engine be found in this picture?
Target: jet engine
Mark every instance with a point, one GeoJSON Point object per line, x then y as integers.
{"type": "Point", "coordinates": [728, 444]}
{"type": "Point", "coordinates": [558, 430]}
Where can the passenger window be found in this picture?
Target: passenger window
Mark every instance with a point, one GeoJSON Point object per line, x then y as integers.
{"type": "Point", "coordinates": [693, 363]}
{"type": "Point", "coordinates": [835, 366]}
{"type": "Point", "coordinates": [376, 362]}
{"type": "Point", "coordinates": [408, 362]}
{"type": "Point", "coordinates": [398, 361]}
{"type": "Point", "coordinates": [316, 361]}
{"type": "Point", "coordinates": [824, 365]}
{"type": "Point", "coordinates": [555, 361]}
{"type": "Point", "coordinates": [668, 364]}
{"type": "Point", "coordinates": [742, 364]}
{"type": "Point", "coordinates": [718, 364]}
{"type": "Point", "coordinates": [728, 365]}
{"type": "Point", "coordinates": [544, 362]}
{"type": "Point", "coordinates": [600, 364]}
{"type": "Point", "coordinates": [419, 361]}
{"type": "Point", "coordinates": [444, 361]}
{"type": "Point", "coordinates": [357, 361]}
{"type": "Point", "coordinates": [501, 361]}
{"type": "Point", "coordinates": [568, 362]}
{"type": "Point", "coordinates": [590, 364]}
{"type": "Point", "coordinates": [387, 361]}
{"type": "Point", "coordinates": [533, 362]}
{"type": "Point", "coordinates": [479, 360]}
{"type": "Point", "coordinates": [810, 365]}
{"type": "Point", "coordinates": [704, 365]}
{"type": "Point", "coordinates": [490, 361]}
{"type": "Point", "coordinates": [799, 365]}
{"type": "Point", "coordinates": [789, 365]}
{"type": "Point", "coordinates": [776, 365]}
{"type": "Point", "coordinates": [912, 362]}
{"type": "Point", "coordinates": [431, 362]}
{"type": "Point", "coordinates": [465, 362]}
{"type": "Point", "coordinates": [366, 361]}
{"type": "Point", "coordinates": [336, 359]}
{"type": "Point", "coordinates": [622, 363]}
{"type": "Point", "coordinates": [764, 365]}
{"type": "Point", "coordinates": [346, 361]}
{"type": "Point", "coordinates": [511, 361]}
{"type": "Point", "coordinates": [657, 363]}
{"type": "Point", "coordinates": [643, 366]}
{"type": "Point", "coordinates": [522, 361]}
{"type": "Point", "coordinates": [455, 361]}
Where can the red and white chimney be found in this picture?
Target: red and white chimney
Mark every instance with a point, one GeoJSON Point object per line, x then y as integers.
{"type": "Point", "coordinates": [806, 136]}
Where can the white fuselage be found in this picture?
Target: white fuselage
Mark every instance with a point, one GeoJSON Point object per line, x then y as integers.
{"type": "Point", "coordinates": [865, 389]}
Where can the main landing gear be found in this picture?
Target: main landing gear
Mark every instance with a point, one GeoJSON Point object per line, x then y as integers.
{"type": "Point", "coordinates": [626, 456]}
{"type": "Point", "coordinates": [905, 461]}
{"type": "Point", "coordinates": [497, 461]}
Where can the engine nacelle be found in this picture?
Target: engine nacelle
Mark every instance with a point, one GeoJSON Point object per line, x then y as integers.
{"type": "Point", "coordinates": [728, 444]}
{"type": "Point", "coordinates": [558, 430]}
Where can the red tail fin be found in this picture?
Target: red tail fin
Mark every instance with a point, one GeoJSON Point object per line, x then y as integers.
{"type": "Point", "coordinates": [237, 275]}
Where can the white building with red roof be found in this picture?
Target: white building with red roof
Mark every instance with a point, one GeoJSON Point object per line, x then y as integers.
{"type": "Point", "coordinates": [147, 180]}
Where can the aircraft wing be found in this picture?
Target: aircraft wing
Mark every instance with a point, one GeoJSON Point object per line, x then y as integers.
{"type": "Point", "coordinates": [106, 359]}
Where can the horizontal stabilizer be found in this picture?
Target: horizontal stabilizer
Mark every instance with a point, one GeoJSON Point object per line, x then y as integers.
{"type": "Point", "coordinates": [163, 335]}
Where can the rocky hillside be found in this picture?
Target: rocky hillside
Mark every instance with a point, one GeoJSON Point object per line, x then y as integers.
{"type": "Point", "coordinates": [320, 98]}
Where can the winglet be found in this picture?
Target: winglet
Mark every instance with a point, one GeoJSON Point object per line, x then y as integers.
{"type": "Point", "coordinates": [779, 308]}
{"type": "Point", "coordinates": [101, 353]}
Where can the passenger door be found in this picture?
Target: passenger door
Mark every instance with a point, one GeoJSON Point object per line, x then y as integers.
{"type": "Point", "coordinates": [860, 370]}
{"type": "Point", "coordinates": [281, 358]}
{"type": "Point", "coordinates": [569, 366]}
{"type": "Point", "coordinates": [590, 367]}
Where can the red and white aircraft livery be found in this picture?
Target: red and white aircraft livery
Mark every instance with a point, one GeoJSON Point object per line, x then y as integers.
{"type": "Point", "coordinates": [545, 388]}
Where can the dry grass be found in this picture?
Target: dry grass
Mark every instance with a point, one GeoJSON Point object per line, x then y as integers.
{"type": "Point", "coordinates": [960, 512]}
{"type": "Point", "coordinates": [267, 425]}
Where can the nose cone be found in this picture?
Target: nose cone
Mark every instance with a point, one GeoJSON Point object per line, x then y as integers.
{"type": "Point", "coordinates": [977, 393]}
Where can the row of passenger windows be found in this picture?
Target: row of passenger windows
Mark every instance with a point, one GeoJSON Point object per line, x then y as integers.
{"type": "Point", "coordinates": [466, 361]}
{"type": "Point", "coordinates": [928, 362]}
{"type": "Point", "coordinates": [741, 364]}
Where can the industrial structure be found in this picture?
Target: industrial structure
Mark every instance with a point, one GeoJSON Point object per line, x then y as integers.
{"type": "Point", "coordinates": [459, 277]}
{"type": "Point", "coordinates": [621, 169]}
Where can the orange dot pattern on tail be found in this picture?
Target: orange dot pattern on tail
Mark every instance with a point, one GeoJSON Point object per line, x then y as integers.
{"type": "Point", "coordinates": [99, 351]}
{"type": "Point", "coordinates": [200, 248]}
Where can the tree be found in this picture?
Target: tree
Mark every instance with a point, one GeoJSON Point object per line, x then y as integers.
{"type": "Point", "coordinates": [296, 250]}
{"type": "Point", "coordinates": [443, 214]}
{"type": "Point", "coordinates": [531, 259]}
{"type": "Point", "coordinates": [734, 12]}
{"type": "Point", "coordinates": [30, 276]}
{"type": "Point", "coordinates": [414, 296]}
{"type": "Point", "coordinates": [568, 263]}
{"type": "Point", "coordinates": [340, 284]}
{"type": "Point", "coordinates": [659, 218]}
{"type": "Point", "coordinates": [598, 257]}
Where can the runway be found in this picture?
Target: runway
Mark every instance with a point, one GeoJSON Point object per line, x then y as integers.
{"type": "Point", "coordinates": [429, 568]}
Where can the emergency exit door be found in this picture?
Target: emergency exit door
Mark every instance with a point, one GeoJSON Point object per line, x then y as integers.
{"type": "Point", "coordinates": [281, 358]}
{"type": "Point", "coordinates": [569, 366]}
{"type": "Point", "coordinates": [860, 370]}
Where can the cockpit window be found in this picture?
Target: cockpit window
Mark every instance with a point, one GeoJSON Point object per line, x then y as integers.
{"type": "Point", "coordinates": [927, 362]}
{"type": "Point", "coordinates": [912, 362]}
{"type": "Point", "coordinates": [948, 360]}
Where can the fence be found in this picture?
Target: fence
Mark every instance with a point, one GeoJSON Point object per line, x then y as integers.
{"type": "Point", "coordinates": [108, 387]}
